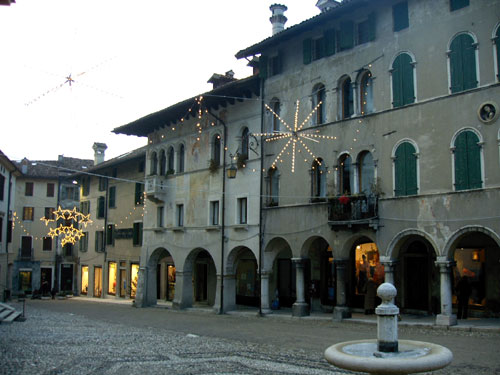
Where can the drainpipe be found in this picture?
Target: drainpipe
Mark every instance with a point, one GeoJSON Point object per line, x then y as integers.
{"type": "Point", "coordinates": [105, 235]}
{"type": "Point", "coordinates": [56, 260]}
{"type": "Point", "coordinates": [261, 238]}
{"type": "Point", "coordinates": [6, 234]}
{"type": "Point", "coordinates": [223, 219]}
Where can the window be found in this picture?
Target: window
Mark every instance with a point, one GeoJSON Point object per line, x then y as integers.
{"type": "Point", "coordinates": [366, 30]}
{"type": "Point", "coordinates": [50, 189]}
{"type": "Point", "coordinates": [134, 276]}
{"type": "Point", "coordinates": [68, 250]}
{"type": "Point", "coordinates": [137, 234]}
{"type": "Point", "coordinates": [160, 217]}
{"type": "Point", "coordinates": [114, 172]}
{"type": "Point", "coordinates": [85, 207]}
{"type": "Point", "coordinates": [70, 192]}
{"type": "Point", "coordinates": [318, 51]}
{"type": "Point", "coordinates": [458, 4]}
{"type": "Point", "coordinates": [171, 160]}
{"type": "Point", "coordinates": [319, 47]}
{"type": "Point", "coordinates": [366, 92]}
{"type": "Point", "coordinates": [112, 278]}
{"type": "Point", "coordinates": [346, 35]}
{"type": "Point", "coordinates": [47, 244]}
{"type": "Point", "coordinates": [346, 175]}
{"type": "Point", "coordinates": [318, 179]}
{"type": "Point", "coordinates": [85, 186]}
{"type": "Point", "coordinates": [26, 247]}
{"type": "Point", "coordinates": [103, 183]}
{"type": "Point", "coordinates": [497, 48]}
{"type": "Point", "coordinates": [400, 16]}
{"type": "Point", "coordinates": [139, 194]}
{"type": "Point", "coordinates": [318, 96]}
{"type": "Point", "coordinates": [101, 207]}
{"type": "Point", "coordinates": [141, 166]}
{"type": "Point", "coordinates": [1, 229]}
{"type": "Point", "coordinates": [153, 164]}
{"type": "Point", "coordinates": [467, 155]}
{"type": "Point", "coordinates": [2, 187]}
{"type": "Point", "coordinates": [275, 65]}
{"type": "Point", "coordinates": [163, 163]}
{"type": "Point", "coordinates": [214, 213]}
{"type": "Point", "coordinates": [216, 148]}
{"type": "Point", "coordinates": [28, 213]}
{"type": "Point", "coordinates": [181, 158]}
{"type": "Point", "coordinates": [112, 197]}
{"type": "Point", "coordinates": [462, 60]}
{"type": "Point", "coordinates": [274, 124]}
{"type": "Point", "coordinates": [242, 210]}
{"type": "Point", "coordinates": [9, 231]}
{"type": "Point", "coordinates": [366, 172]}
{"type": "Point", "coordinates": [347, 98]}
{"type": "Point", "coordinates": [403, 91]}
{"type": "Point", "coordinates": [110, 234]}
{"type": "Point", "coordinates": [244, 143]}
{"type": "Point", "coordinates": [84, 242]}
{"type": "Point", "coordinates": [273, 187]}
{"type": "Point", "coordinates": [25, 280]}
{"type": "Point", "coordinates": [49, 213]}
{"type": "Point", "coordinates": [85, 280]}
{"type": "Point", "coordinates": [28, 191]}
{"type": "Point", "coordinates": [180, 215]}
{"type": "Point", "coordinates": [405, 170]}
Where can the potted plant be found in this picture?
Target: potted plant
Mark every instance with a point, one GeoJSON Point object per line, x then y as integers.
{"type": "Point", "coordinates": [61, 295]}
{"type": "Point", "coordinates": [241, 160]}
{"type": "Point", "coordinates": [213, 166]}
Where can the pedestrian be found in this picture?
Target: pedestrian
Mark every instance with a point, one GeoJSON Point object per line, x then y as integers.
{"type": "Point", "coordinates": [463, 294]}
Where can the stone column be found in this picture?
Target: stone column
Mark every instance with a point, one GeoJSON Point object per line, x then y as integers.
{"type": "Point", "coordinates": [300, 307]}
{"type": "Point", "coordinates": [183, 290]}
{"type": "Point", "coordinates": [341, 311]}
{"type": "Point", "coordinates": [388, 269]}
{"type": "Point", "coordinates": [264, 293]}
{"type": "Point", "coordinates": [140, 300]}
{"type": "Point", "coordinates": [446, 318]}
{"type": "Point", "coordinates": [229, 294]}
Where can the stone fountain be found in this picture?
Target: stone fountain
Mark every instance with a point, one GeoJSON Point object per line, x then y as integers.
{"type": "Point", "coordinates": [387, 355]}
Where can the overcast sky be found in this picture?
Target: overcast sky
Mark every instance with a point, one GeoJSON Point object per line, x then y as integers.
{"type": "Point", "coordinates": [128, 58]}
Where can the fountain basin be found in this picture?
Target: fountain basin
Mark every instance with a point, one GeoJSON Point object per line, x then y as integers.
{"type": "Point", "coordinates": [412, 357]}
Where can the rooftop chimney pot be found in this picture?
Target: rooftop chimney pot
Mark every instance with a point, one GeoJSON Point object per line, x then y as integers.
{"type": "Point", "coordinates": [278, 18]}
{"type": "Point", "coordinates": [99, 149]}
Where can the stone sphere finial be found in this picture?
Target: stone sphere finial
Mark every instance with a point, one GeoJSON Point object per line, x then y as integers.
{"type": "Point", "coordinates": [386, 292]}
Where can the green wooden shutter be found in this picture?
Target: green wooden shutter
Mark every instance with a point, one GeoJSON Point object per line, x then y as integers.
{"type": "Point", "coordinates": [458, 4]}
{"type": "Point", "coordinates": [320, 48]}
{"type": "Point", "coordinates": [473, 161]}
{"type": "Point", "coordinates": [112, 196]}
{"type": "Point", "coordinates": [279, 63]}
{"type": "Point", "coordinates": [346, 35]}
{"type": "Point", "coordinates": [399, 171]}
{"type": "Point", "coordinates": [461, 180]}
{"type": "Point", "coordinates": [263, 67]}
{"type": "Point", "coordinates": [400, 16]}
{"type": "Point", "coordinates": [371, 27]}
{"type": "Point", "coordinates": [410, 169]}
{"type": "Point", "coordinates": [456, 69]}
{"type": "Point", "coordinates": [468, 61]}
{"type": "Point", "coordinates": [408, 92]}
{"type": "Point", "coordinates": [397, 83]}
{"type": "Point", "coordinates": [330, 47]}
{"type": "Point", "coordinates": [497, 43]}
{"type": "Point", "coordinates": [307, 51]}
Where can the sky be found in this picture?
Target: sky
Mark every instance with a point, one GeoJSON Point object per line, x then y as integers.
{"type": "Point", "coordinates": [127, 58]}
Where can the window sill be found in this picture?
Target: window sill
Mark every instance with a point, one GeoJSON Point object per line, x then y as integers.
{"type": "Point", "coordinates": [159, 229]}
{"type": "Point", "coordinates": [213, 228]}
{"type": "Point", "coordinates": [178, 229]}
{"type": "Point", "coordinates": [241, 227]}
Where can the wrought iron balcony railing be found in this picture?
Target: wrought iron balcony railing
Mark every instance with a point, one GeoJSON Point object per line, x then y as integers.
{"type": "Point", "coordinates": [25, 254]}
{"type": "Point", "coordinates": [349, 209]}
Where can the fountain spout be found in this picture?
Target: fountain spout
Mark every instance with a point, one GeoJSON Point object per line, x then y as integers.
{"type": "Point", "coordinates": [387, 319]}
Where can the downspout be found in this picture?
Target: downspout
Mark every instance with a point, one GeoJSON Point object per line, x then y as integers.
{"type": "Point", "coordinates": [223, 219]}
{"type": "Point", "coordinates": [56, 279]}
{"type": "Point", "coordinates": [6, 233]}
{"type": "Point", "coordinates": [105, 234]}
{"type": "Point", "coordinates": [261, 192]}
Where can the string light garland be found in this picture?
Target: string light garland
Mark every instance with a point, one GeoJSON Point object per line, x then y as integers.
{"type": "Point", "coordinates": [295, 136]}
{"type": "Point", "coordinates": [68, 233]}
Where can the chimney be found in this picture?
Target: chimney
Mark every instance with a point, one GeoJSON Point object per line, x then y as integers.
{"type": "Point", "coordinates": [99, 149]}
{"type": "Point", "coordinates": [325, 5]}
{"type": "Point", "coordinates": [278, 18]}
{"type": "Point", "coordinates": [24, 166]}
{"type": "Point", "coordinates": [218, 80]}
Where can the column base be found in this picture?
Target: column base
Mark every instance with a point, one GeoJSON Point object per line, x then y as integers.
{"type": "Point", "coordinates": [446, 320]}
{"type": "Point", "coordinates": [300, 309]}
{"type": "Point", "coordinates": [341, 312]}
{"type": "Point", "coordinates": [267, 311]}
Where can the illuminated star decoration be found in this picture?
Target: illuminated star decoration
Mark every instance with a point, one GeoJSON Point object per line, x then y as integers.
{"type": "Point", "coordinates": [295, 135]}
{"type": "Point", "coordinates": [68, 233]}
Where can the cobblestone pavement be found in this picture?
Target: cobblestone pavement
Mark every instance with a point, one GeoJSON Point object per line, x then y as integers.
{"type": "Point", "coordinates": [73, 337]}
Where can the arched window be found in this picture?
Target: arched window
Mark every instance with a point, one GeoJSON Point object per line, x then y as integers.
{"type": "Point", "coordinates": [366, 93]}
{"type": "Point", "coordinates": [181, 158]}
{"type": "Point", "coordinates": [171, 165]}
{"type": "Point", "coordinates": [163, 163]}
{"type": "Point", "coordinates": [318, 179]}
{"type": "Point", "coordinates": [405, 170]}
{"type": "Point", "coordinates": [366, 172]}
{"type": "Point", "coordinates": [274, 123]}
{"type": "Point", "coordinates": [318, 95]}
{"type": "Point", "coordinates": [403, 85]}
{"type": "Point", "coordinates": [462, 57]}
{"type": "Point", "coordinates": [154, 164]}
{"type": "Point", "coordinates": [273, 187]}
{"type": "Point", "coordinates": [244, 143]}
{"type": "Point", "coordinates": [467, 156]}
{"type": "Point", "coordinates": [347, 98]}
{"type": "Point", "coordinates": [346, 175]}
{"type": "Point", "coordinates": [216, 149]}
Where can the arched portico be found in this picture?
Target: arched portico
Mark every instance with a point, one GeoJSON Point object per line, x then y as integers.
{"type": "Point", "coordinates": [282, 286]}
{"type": "Point", "coordinates": [156, 277]}
{"type": "Point", "coordinates": [241, 283]}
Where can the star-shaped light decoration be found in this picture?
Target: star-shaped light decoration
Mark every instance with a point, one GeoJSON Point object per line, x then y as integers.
{"type": "Point", "coordinates": [68, 233]}
{"type": "Point", "coordinates": [295, 135]}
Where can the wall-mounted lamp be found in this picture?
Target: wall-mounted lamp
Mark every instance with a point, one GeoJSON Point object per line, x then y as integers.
{"type": "Point", "coordinates": [232, 170]}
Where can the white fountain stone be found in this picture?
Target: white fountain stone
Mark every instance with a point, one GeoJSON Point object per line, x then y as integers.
{"type": "Point", "coordinates": [387, 355]}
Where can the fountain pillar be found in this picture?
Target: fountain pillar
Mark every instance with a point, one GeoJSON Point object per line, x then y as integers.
{"type": "Point", "coordinates": [387, 319]}
{"type": "Point", "coordinates": [446, 318]}
{"type": "Point", "coordinates": [300, 307]}
{"type": "Point", "coordinates": [341, 311]}
{"type": "Point", "coordinates": [388, 269]}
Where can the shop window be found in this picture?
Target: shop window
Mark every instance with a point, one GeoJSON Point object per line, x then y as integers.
{"type": "Point", "coordinates": [470, 269]}
{"type": "Point", "coordinates": [318, 179]}
{"type": "Point", "coordinates": [181, 158]}
{"type": "Point", "coordinates": [25, 280]}
{"type": "Point", "coordinates": [403, 86]}
{"type": "Point", "coordinates": [134, 277]}
{"type": "Point", "coordinates": [366, 172]}
{"type": "Point", "coordinates": [28, 191]}
{"type": "Point", "coordinates": [153, 164]}
{"type": "Point", "coordinates": [112, 278]}
{"type": "Point", "coordinates": [405, 170]}
{"type": "Point", "coordinates": [369, 272]}
{"type": "Point", "coordinates": [366, 92]}
{"type": "Point", "coordinates": [346, 175]}
{"type": "Point", "coordinates": [458, 4]}
{"type": "Point", "coordinates": [467, 157]}
{"type": "Point", "coordinates": [214, 213]}
{"type": "Point", "coordinates": [347, 97]}
{"type": "Point", "coordinates": [242, 210]}
{"type": "Point", "coordinates": [101, 207]}
{"type": "Point", "coordinates": [85, 280]}
{"type": "Point", "coordinates": [112, 197]}
{"type": "Point", "coordinates": [216, 149]}
{"type": "Point", "coordinates": [170, 282]}
{"type": "Point", "coordinates": [318, 100]}
{"type": "Point", "coordinates": [99, 241]}
{"type": "Point", "coordinates": [47, 244]}
{"type": "Point", "coordinates": [400, 16]}
{"type": "Point", "coordinates": [180, 215]}
{"type": "Point", "coordinates": [171, 161]}
{"type": "Point", "coordinates": [28, 213]}
{"type": "Point", "coordinates": [84, 242]}
{"type": "Point", "coordinates": [137, 234]}
{"type": "Point", "coordinates": [163, 163]}
{"type": "Point", "coordinates": [462, 63]}
{"type": "Point", "coordinates": [50, 189]}
{"type": "Point", "coordinates": [97, 281]}
{"type": "Point", "coordinates": [272, 186]}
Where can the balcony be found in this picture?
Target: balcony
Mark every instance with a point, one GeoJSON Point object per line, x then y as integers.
{"type": "Point", "coordinates": [25, 255]}
{"type": "Point", "coordinates": [353, 210]}
{"type": "Point", "coordinates": [156, 188]}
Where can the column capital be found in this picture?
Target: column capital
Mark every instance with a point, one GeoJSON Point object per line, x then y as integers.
{"type": "Point", "coordinates": [445, 265]}
{"type": "Point", "coordinates": [298, 261]}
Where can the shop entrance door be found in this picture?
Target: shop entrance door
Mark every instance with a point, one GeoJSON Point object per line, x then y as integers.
{"type": "Point", "coordinates": [417, 283]}
{"type": "Point", "coordinates": [97, 281]}
{"type": "Point", "coordinates": [45, 280]}
{"type": "Point", "coordinates": [286, 282]}
{"type": "Point", "coordinates": [123, 282]}
{"type": "Point", "coordinates": [201, 282]}
{"type": "Point", "coordinates": [66, 277]}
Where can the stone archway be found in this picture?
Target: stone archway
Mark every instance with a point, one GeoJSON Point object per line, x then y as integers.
{"type": "Point", "coordinates": [199, 280]}
{"type": "Point", "coordinates": [241, 282]}
{"type": "Point", "coordinates": [278, 263]}
{"type": "Point", "coordinates": [160, 277]}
